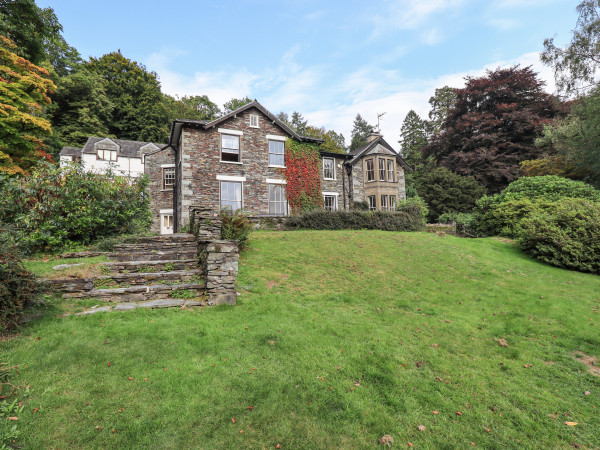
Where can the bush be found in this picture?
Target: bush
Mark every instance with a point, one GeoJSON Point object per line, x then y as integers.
{"type": "Point", "coordinates": [57, 207]}
{"type": "Point", "coordinates": [235, 226]}
{"type": "Point", "coordinates": [18, 287]}
{"type": "Point", "coordinates": [566, 236]}
{"type": "Point", "coordinates": [408, 217]}
{"type": "Point", "coordinates": [447, 192]}
{"type": "Point", "coordinates": [549, 188]}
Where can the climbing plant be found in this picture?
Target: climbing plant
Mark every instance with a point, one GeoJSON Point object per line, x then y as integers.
{"type": "Point", "coordinates": [303, 187]}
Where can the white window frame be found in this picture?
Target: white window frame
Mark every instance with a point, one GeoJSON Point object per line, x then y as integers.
{"type": "Point", "coordinates": [390, 173]}
{"type": "Point", "coordinates": [164, 178]}
{"type": "Point", "coordinates": [286, 207]}
{"type": "Point", "coordinates": [392, 203]}
{"type": "Point", "coordinates": [367, 171]}
{"type": "Point", "coordinates": [239, 149]}
{"type": "Point", "coordinates": [384, 202]}
{"type": "Point", "coordinates": [241, 201]}
{"type": "Point", "coordinates": [254, 121]}
{"type": "Point", "coordinates": [332, 166]}
{"type": "Point", "coordinates": [372, 207]}
{"type": "Point", "coordinates": [382, 169]}
{"type": "Point", "coordinates": [333, 195]}
{"type": "Point", "coordinates": [101, 154]}
{"type": "Point", "coordinates": [277, 141]}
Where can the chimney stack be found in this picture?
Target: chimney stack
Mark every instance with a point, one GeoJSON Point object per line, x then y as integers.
{"type": "Point", "coordinates": [372, 136]}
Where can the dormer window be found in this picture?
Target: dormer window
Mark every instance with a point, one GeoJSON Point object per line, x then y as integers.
{"type": "Point", "coordinates": [254, 120]}
{"type": "Point", "coordinates": [106, 155]}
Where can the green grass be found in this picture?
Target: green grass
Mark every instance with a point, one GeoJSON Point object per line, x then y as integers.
{"type": "Point", "coordinates": [42, 266]}
{"type": "Point", "coordinates": [324, 344]}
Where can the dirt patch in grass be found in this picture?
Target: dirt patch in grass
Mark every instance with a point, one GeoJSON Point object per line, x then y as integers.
{"type": "Point", "coordinates": [590, 361]}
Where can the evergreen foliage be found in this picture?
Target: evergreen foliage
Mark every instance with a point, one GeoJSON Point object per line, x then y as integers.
{"type": "Point", "coordinates": [360, 131]}
{"type": "Point", "coordinates": [443, 99]}
{"type": "Point", "coordinates": [447, 192]}
{"type": "Point", "coordinates": [413, 138]}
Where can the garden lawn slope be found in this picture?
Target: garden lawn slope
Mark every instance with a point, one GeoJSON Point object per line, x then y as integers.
{"type": "Point", "coordinates": [338, 338]}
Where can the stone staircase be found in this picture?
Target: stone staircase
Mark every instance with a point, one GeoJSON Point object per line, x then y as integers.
{"type": "Point", "coordinates": [153, 272]}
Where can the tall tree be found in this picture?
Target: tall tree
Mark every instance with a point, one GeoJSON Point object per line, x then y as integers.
{"type": "Point", "coordinates": [24, 89]}
{"type": "Point", "coordinates": [360, 131]}
{"type": "Point", "coordinates": [37, 34]}
{"type": "Point", "coordinates": [413, 138]}
{"type": "Point", "coordinates": [576, 65]}
{"type": "Point", "coordinates": [196, 107]}
{"type": "Point", "coordinates": [235, 103]}
{"type": "Point", "coordinates": [298, 123]}
{"type": "Point", "coordinates": [493, 126]}
{"type": "Point", "coordinates": [80, 109]}
{"type": "Point", "coordinates": [332, 142]}
{"type": "Point", "coordinates": [443, 99]}
{"type": "Point", "coordinates": [139, 111]}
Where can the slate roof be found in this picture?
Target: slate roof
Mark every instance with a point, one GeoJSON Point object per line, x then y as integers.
{"type": "Point", "coordinates": [363, 149]}
{"type": "Point", "coordinates": [130, 149]}
{"type": "Point", "coordinates": [175, 130]}
{"type": "Point", "coordinates": [70, 151]}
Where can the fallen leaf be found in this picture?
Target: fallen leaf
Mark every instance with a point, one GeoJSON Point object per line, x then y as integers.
{"type": "Point", "coordinates": [571, 424]}
{"type": "Point", "coordinates": [421, 428]}
{"type": "Point", "coordinates": [233, 420]}
{"type": "Point", "coordinates": [587, 393]}
{"type": "Point", "coordinates": [130, 378]}
{"type": "Point", "coordinates": [473, 443]}
{"type": "Point", "coordinates": [250, 407]}
{"type": "Point", "coordinates": [435, 412]}
{"type": "Point", "coordinates": [36, 409]}
{"type": "Point", "coordinates": [501, 342]}
{"type": "Point", "coordinates": [386, 440]}
{"type": "Point", "coordinates": [108, 364]}
{"type": "Point", "coordinates": [278, 446]}
{"type": "Point", "coordinates": [13, 418]}
{"type": "Point", "coordinates": [113, 430]}
{"type": "Point", "coordinates": [409, 444]}
{"type": "Point", "coordinates": [241, 431]}
{"type": "Point", "coordinates": [458, 413]}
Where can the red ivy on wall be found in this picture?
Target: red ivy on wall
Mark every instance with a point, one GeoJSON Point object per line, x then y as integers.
{"type": "Point", "coordinates": [303, 187]}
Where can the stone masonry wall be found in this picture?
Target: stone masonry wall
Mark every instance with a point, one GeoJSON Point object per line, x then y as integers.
{"type": "Point", "coordinates": [201, 163]}
{"type": "Point", "coordinates": [159, 197]}
{"type": "Point", "coordinates": [336, 185]}
{"type": "Point", "coordinates": [220, 262]}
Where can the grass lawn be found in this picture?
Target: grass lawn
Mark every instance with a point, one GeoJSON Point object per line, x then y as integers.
{"type": "Point", "coordinates": [338, 338]}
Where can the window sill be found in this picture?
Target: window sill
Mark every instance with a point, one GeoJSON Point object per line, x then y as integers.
{"type": "Point", "coordinates": [277, 167]}
{"type": "Point", "coordinates": [231, 162]}
{"type": "Point", "coordinates": [329, 179]}
{"type": "Point", "coordinates": [166, 190]}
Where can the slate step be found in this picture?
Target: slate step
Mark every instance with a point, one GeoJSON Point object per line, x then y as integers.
{"type": "Point", "coordinates": [142, 293]}
{"type": "Point", "coordinates": [164, 242]}
{"type": "Point", "coordinates": [158, 255]}
{"type": "Point", "coordinates": [127, 306]}
{"type": "Point", "coordinates": [150, 266]}
{"type": "Point", "coordinates": [148, 278]}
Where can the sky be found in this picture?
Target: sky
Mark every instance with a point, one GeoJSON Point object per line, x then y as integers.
{"type": "Point", "coordinates": [328, 60]}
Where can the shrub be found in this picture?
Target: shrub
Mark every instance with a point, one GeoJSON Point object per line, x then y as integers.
{"type": "Point", "coordinates": [549, 188]}
{"type": "Point", "coordinates": [18, 287]}
{"type": "Point", "coordinates": [56, 207]}
{"type": "Point", "coordinates": [407, 218]}
{"type": "Point", "coordinates": [566, 236]}
{"type": "Point", "coordinates": [447, 192]}
{"type": "Point", "coordinates": [235, 226]}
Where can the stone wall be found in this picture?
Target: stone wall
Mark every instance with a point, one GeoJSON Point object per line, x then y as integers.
{"type": "Point", "coordinates": [219, 260]}
{"type": "Point", "coordinates": [160, 199]}
{"type": "Point", "coordinates": [336, 185]}
{"type": "Point", "coordinates": [201, 164]}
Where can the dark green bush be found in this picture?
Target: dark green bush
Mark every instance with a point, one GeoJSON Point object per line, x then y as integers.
{"type": "Point", "coordinates": [548, 188]}
{"type": "Point", "coordinates": [407, 217]}
{"type": "Point", "coordinates": [18, 287]}
{"type": "Point", "coordinates": [566, 236]}
{"type": "Point", "coordinates": [360, 206]}
{"type": "Point", "coordinates": [235, 226]}
{"type": "Point", "coordinates": [447, 192]}
{"type": "Point", "coordinates": [55, 207]}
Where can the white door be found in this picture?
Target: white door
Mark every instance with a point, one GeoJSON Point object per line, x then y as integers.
{"type": "Point", "coordinates": [166, 224]}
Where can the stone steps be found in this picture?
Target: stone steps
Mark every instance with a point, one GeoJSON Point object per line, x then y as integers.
{"type": "Point", "coordinates": [154, 255]}
{"type": "Point", "coordinates": [148, 278]}
{"type": "Point", "coordinates": [150, 266]}
{"type": "Point", "coordinates": [128, 306]}
{"type": "Point", "coordinates": [143, 293]}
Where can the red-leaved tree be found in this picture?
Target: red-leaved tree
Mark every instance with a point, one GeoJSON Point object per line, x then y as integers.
{"type": "Point", "coordinates": [493, 125]}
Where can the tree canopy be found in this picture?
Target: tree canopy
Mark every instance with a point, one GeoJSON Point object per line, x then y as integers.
{"type": "Point", "coordinates": [235, 103]}
{"type": "Point", "coordinates": [576, 65]}
{"type": "Point", "coordinates": [413, 138]}
{"type": "Point", "coordinates": [493, 125]}
{"type": "Point", "coordinates": [24, 89]}
{"type": "Point", "coordinates": [360, 131]}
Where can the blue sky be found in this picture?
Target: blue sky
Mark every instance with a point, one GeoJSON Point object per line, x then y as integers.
{"type": "Point", "coordinates": [326, 59]}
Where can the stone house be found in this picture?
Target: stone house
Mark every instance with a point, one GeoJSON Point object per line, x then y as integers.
{"type": "Point", "coordinates": [125, 158]}
{"type": "Point", "coordinates": [236, 161]}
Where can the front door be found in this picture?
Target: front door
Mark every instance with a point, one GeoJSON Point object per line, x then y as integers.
{"type": "Point", "coordinates": [166, 224]}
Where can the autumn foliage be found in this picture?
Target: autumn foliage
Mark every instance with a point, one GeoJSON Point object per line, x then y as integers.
{"type": "Point", "coordinates": [303, 187]}
{"type": "Point", "coordinates": [24, 89]}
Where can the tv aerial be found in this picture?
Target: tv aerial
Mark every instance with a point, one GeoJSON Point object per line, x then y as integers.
{"type": "Point", "coordinates": [378, 116]}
